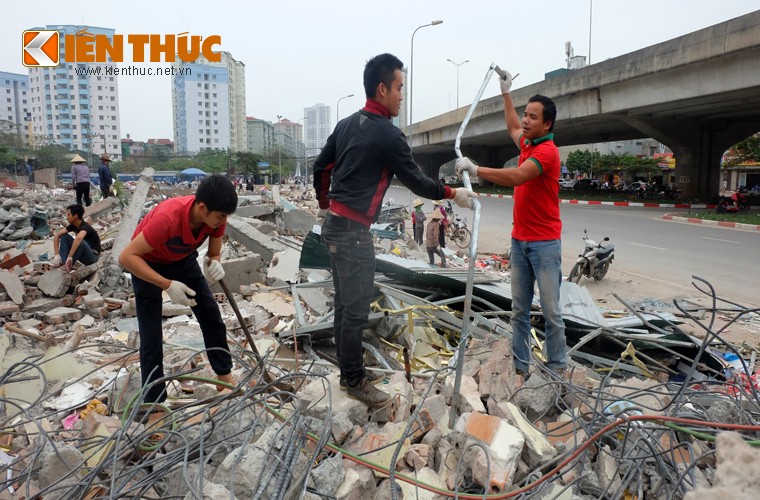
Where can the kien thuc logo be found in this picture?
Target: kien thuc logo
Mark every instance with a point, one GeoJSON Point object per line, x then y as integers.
{"type": "Point", "coordinates": [39, 48]}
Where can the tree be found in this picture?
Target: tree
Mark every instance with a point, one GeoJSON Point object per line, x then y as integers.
{"type": "Point", "coordinates": [247, 162]}
{"type": "Point", "coordinates": [53, 156]}
{"type": "Point", "coordinates": [584, 161]}
{"type": "Point", "coordinates": [745, 151]}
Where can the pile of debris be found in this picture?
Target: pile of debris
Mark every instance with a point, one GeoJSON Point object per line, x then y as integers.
{"type": "Point", "coordinates": [638, 415]}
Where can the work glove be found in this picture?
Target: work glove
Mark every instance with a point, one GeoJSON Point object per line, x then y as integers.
{"type": "Point", "coordinates": [56, 262]}
{"type": "Point", "coordinates": [463, 197]}
{"type": "Point", "coordinates": [505, 83]}
{"type": "Point", "coordinates": [321, 214]}
{"type": "Point", "coordinates": [466, 165]}
{"type": "Point", "coordinates": [212, 269]}
{"type": "Point", "coordinates": [181, 294]}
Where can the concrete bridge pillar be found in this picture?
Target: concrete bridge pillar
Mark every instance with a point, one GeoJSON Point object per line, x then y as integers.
{"type": "Point", "coordinates": [698, 147]}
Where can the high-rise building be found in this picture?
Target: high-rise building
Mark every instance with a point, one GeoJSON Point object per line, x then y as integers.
{"type": "Point", "coordinates": [208, 105]}
{"type": "Point", "coordinates": [76, 104]}
{"type": "Point", "coordinates": [318, 127]}
{"type": "Point", "coordinates": [294, 129]}
{"type": "Point", "coordinates": [400, 120]}
{"type": "Point", "coordinates": [260, 135]}
{"type": "Point", "coordinates": [15, 117]}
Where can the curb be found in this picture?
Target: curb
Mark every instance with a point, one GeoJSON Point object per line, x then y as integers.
{"type": "Point", "coordinates": [715, 223]}
{"type": "Point", "coordinates": [615, 203]}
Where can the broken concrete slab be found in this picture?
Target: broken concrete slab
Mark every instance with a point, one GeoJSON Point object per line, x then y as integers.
{"type": "Point", "coordinates": [61, 315]}
{"type": "Point", "coordinates": [13, 286]}
{"type": "Point", "coordinates": [538, 449]}
{"type": "Point", "coordinates": [241, 271]}
{"type": "Point", "coordinates": [253, 239]}
{"type": "Point", "coordinates": [55, 283]}
{"type": "Point", "coordinates": [284, 265]}
{"type": "Point", "coordinates": [298, 222]}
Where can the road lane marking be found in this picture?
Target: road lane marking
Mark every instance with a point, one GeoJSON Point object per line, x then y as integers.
{"type": "Point", "coordinates": [649, 246]}
{"type": "Point", "coordinates": [718, 239]}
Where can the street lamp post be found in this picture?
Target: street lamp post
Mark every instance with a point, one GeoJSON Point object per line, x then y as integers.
{"type": "Point", "coordinates": [411, 74]}
{"type": "Point", "coordinates": [279, 155]}
{"type": "Point", "coordinates": [337, 108]}
{"type": "Point", "coordinates": [305, 164]}
{"type": "Point", "coordinates": [457, 65]}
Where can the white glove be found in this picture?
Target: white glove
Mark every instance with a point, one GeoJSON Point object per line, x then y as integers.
{"type": "Point", "coordinates": [466, 165]}
{"type": "Point", "coordinates": [56, 262]}
{"type": "Point", "coordinates": [321, 214]}
{"type": "Point", "coordinates": [212, 269]}
{"type": "Point", "coordinates": [181, 294]}
{"type": "Point", "coordinates": [505, 83]}
{"type": "Point", "coordinates": [462, 197]}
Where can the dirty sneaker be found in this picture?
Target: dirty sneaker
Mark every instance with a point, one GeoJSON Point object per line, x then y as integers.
{"type": "Point", "coordinates": [368, 394]}
{"type": "Point", "coordinates": [373, 376]}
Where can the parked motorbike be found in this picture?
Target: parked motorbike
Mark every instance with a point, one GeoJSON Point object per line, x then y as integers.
{"type": "Point", "coordinates": [595, 260]}
{"type": "Point", "coordinates": [457, 230]}
{"type": "Point", "coordinates": [736, 203]}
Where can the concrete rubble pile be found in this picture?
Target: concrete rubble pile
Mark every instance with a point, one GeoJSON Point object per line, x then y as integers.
{"type": "Point", "coordinates": [641, 422]}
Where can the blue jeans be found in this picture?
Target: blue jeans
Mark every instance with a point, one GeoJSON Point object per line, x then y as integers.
{"type": "Point", "coordinates": [537, 262]}
{"type": "Point", "coordinates": [149, 304]}
{"type": "Point", "coordinates": [84, 253]}
{"type": "Point", "coordinates": [352, 259]}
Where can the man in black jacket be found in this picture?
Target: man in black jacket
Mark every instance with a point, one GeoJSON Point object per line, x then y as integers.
{"type": "Point", "coordinates": [351, 176]}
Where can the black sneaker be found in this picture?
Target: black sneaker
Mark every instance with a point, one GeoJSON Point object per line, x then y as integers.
{"type": "Point", "coordinates": [373, 376]}
{"type": "Point", "coordinates": [368, 394]}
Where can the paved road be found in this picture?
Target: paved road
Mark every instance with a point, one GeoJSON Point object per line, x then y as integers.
{"type": "Point", "coordinates": [644, 243]}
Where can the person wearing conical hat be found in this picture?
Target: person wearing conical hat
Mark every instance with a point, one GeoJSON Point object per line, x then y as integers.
{"type": "Point", "coordinates": [418, 221]}
{"type": "Point", "coordinates": [431, 238]}
{"type": "Point", "coordinates": [80, 176]}
{"type": "Point", "coordinates": [104, 175]}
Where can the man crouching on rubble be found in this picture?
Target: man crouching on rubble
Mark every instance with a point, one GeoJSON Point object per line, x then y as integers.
{"type": "Point", "coordinates": [351, 175]}
{"type": "Point", "coordinates": [162, 257]}
{"type": "Point", "coordinates": [84, 248]}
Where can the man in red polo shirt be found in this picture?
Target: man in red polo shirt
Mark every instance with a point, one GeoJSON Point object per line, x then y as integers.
{"type": "Point", "coordinates": [162, 257]}
{"type": "Point", "coordinates": [536, 253]}
{"type": "Point", "coordinates": [351, 176]}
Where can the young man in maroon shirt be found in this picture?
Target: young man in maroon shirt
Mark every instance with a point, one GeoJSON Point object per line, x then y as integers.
{"type": "Point", "coordinates": [162, 257]}
{"type": "Point", "coordinates": [536, 253]}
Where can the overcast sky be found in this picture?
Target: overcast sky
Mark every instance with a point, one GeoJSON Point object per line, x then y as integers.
{"type": "Point", "coordinates": [300, 53]}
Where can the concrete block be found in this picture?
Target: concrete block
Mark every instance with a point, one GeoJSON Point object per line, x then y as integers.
{"type": "Point", "coordinates": [253, 239]}
{"type": "Point", "coordinates": [284, 265]}
{"type": "Point", "coordinates": [419, 456]}
{"type": "Point", "coordinates": [298, 222]}
{"type": "Point", "coordinates": [469, 397]}
{"type": "Point", "coordinates": [93, 301]}
{"type": "Point", "coordinates": [329, 475]}
{"type": "Point", "coordinates": [496, 373]}
{"type": "Point", "coordinates": [427, 476]}
{"type": "Point", "coordinates": [55, 283]}
{"type": "Point", "coordinates": [241, 271]}
{"type": "Point", "coordinates": [12, 285]}
{"type": "Point", "coordinates": [61, 315]}
{"type": "Point", "coordinates": [537, 448]}
{"type": "Point", "coordinates": [258, 211]}
{"type": "Point", "coordinates": [504, 444]}
{"type": "Point", "coordinates": [358, 484]}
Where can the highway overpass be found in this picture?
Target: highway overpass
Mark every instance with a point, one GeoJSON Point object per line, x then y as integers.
{"type": "Point", "coordinates": [698, 94]}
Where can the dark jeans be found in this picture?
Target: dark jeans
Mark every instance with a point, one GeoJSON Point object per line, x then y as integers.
{"type": "Point", "coordinates": [83, 191]}
{"type": "Point", "coordinates": [84, 253]}
{"type": "Point", "coordinates": [148, 301]}
{"type": "Point", "coordinates": [432, 251]}
{"type": "Point", "coordinates": [105, 192]}
{"type": "Point", "coordinates": [352, 258]}
{"type": "Point", "coordinates": [419, 234]}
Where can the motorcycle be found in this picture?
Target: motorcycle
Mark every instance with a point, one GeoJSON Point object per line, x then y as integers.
{"type": "Point", "coordinates": [595, 260]}
{"type": "Point", "coordinates": [736, 203]}
{"type": "Point", "coordinates": [456, 230]}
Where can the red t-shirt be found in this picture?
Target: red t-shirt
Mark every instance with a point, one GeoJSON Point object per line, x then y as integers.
{"type": "Point", "coordinates": [536, 207]}
{"type": "Point", "coordinates": [166, 229]}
